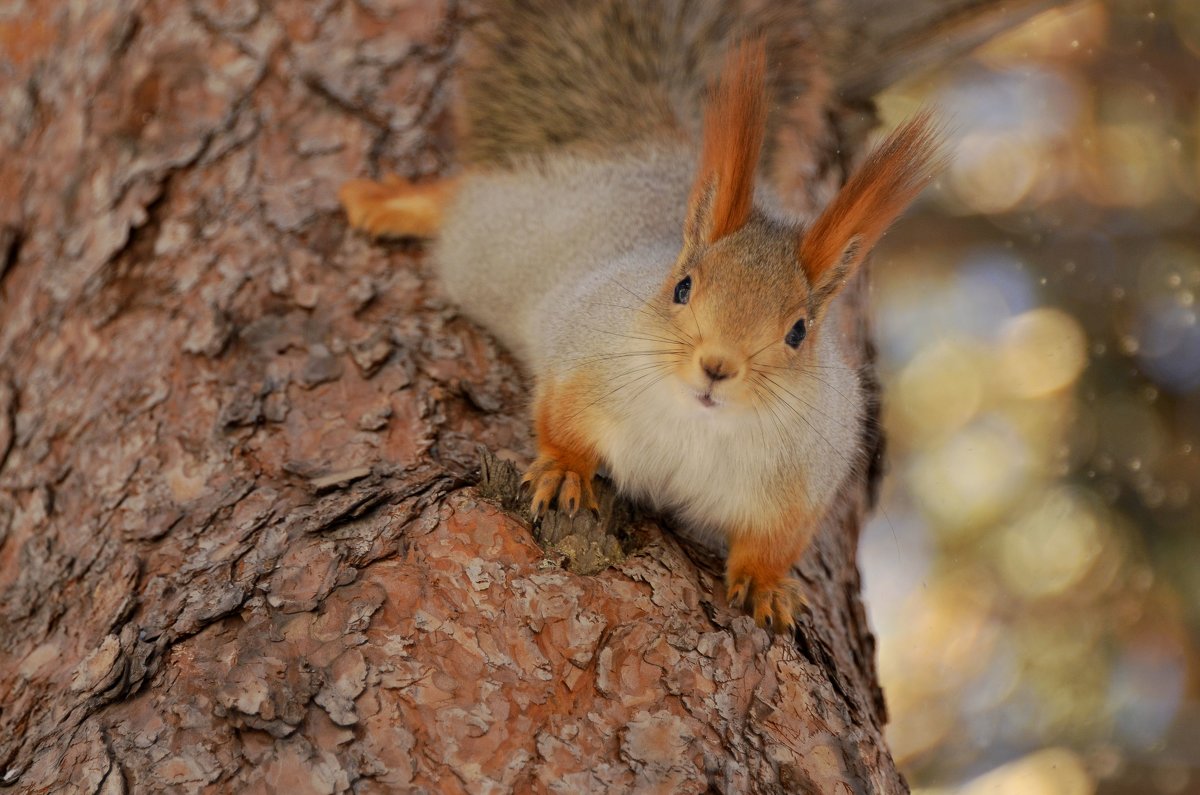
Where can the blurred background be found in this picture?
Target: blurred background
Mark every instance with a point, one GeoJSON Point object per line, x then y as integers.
{"type": "Point", "coordinates": [1034, 575]}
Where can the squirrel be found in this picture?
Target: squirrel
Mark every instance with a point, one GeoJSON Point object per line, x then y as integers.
{"type": "Point", "coordinates": [610, 228]}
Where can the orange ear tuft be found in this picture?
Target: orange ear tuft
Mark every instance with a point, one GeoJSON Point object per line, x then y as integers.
{"type": "Point", "coordinates": [734, 124]}
{"type": "Point", "coordinates": [874, 196]}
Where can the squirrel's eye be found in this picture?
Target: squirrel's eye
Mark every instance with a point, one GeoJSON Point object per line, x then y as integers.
{"type": "Point", "coordinates": [796, 335]}
{"type": "Point", "coordinates": [683, 290]}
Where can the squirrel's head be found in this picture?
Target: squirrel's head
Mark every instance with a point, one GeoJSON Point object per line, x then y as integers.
{"type": "Point", "coordinates": [748, 291]}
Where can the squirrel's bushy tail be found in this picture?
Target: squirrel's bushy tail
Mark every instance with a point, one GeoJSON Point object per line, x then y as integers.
{"type": "Point", "coordinates": [602, 74]}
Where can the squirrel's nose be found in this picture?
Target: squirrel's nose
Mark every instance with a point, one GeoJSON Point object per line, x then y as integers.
{"type": "Point", "coordinates": [717, 368]}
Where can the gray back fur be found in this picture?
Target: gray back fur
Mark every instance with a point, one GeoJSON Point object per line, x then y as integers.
{"type": "Point", "coordinates": [542, 233]}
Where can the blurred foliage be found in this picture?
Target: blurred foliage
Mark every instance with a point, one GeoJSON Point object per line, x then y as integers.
{"type": "Point", "coordinates": [1034, 575]}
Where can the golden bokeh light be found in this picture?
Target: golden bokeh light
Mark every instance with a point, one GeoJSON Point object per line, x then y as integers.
{"type": "Point", "coordinates": [972, 478]}
{"type": "Point", "coordinates": [950, 642]}
{"type": "Point", "coordinates": [941, 389]}
{"type": "Point", "coordinates": [1051, 546]}
{"type": "Point", "coordinates": [1071, 32]}
{"type": "Point", "coordinates": [1054, 771]}
{"type": "Point", "coordinates": [994, 172]}
{"type": "Point", "coordinates": [1039, 337]}
{"type": "Point", "coordinates": [1128, 165]}
{"type": "Point", "coordinates": [1041, 352]}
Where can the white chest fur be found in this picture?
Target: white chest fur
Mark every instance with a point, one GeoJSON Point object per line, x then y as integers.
{"type": "Point", "coordinates": [716, 468]}
{"type": "Point", "coordinates": [734, 468]}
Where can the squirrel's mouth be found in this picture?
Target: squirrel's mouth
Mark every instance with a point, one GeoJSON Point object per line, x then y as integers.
{"type": "Point", "coordinates": [706, 399]}
{"type": "Point", "coordinates": [707, 395]}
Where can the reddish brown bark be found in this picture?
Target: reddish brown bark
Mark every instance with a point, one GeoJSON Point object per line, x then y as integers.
{"type": "Point", "coordinates": [241, 548]}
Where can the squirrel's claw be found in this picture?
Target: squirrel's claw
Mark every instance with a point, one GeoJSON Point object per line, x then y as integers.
{"type": "Point", "coordinates": [773, 606]}
{"type": "Point", "coordinates": [545, 488]}
{"type": "Point", "coordinates": [737, 593]}
{"type": "Point", "coordinates": [553, 483]}
{"type": "Point", "coordinates": [775, 612]}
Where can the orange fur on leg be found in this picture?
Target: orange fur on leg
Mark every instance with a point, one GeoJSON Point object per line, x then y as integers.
{"type": "Point", "coordinates": [396, 208]}
{"type": "Point", "coordinates": [756, 575]}
{"type": "Point", "coordinates": [567, 461]}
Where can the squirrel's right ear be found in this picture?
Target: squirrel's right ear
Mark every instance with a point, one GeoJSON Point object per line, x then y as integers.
{"type": "Point", "coordinates": [735, 118]}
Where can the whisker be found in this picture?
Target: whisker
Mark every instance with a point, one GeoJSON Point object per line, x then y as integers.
{"type": "Point", "coordinates": [646, 302]}
{"type": "Point", "coordinates": [638, 369]}
{"type": "Point", "coordinates": [658, 359]}
{"type": "Point", "coordinates": [845, 459]}
{"type": "Point", "coordinates": [837, 453]}
{"type": "Point", "coordinates": [780, 401]}
{"type": "Point", "coordinates": [782, 426]}
{"type": "Point", "coordinates": [600, 357]}
{"type": "Point", "coordinates": [648, 305]}
{"type": "Point", "coordinates": [645, 372]}
{"type": "Point", "coordinates": [808, 366]}
{"type": "Point", "coordinates": [672, 326]}
{"type": "Point", "coordinates": [642, 298]}
{"type": "Point", "coordinates": [638, 394]}
{"type": "Point", "coordinates": [750, 358]}
{"type": "Point", "coordinates": [696, 320]}
{"type": "Point", "coordinates": [806, 404]}
{"type": "Point", "coordinates": [762, 436]}
{"type": "Point", "coordinates": [808, 375]}
{"type": "Point", "coordinates": [632, 337]}
{"type": "Point", "coordinates": [837, 391]}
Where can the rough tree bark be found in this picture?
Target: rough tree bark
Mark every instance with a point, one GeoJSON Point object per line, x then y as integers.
{"type": "Point", "coordinates": [241, 544]}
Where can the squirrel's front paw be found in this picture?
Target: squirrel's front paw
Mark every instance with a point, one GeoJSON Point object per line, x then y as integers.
{"type": "Point", "coordinates": [555, 482]}
{"type": "Point", "coordinates": [774, 604]}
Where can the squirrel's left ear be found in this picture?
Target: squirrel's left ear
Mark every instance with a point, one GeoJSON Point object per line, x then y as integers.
{"type": "Point", "coordinates": [833, 247]}
{"type": "Point", "coordinates": [735, 120]}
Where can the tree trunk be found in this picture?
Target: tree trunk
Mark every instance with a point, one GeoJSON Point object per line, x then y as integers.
{"type": "Point", "coordinates": [242, 548]}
